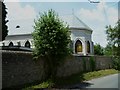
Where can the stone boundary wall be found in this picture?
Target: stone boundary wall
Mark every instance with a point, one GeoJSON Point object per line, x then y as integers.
{"type": "Point", "coordinates": [75, 64]}
{"type": "Point", "coordinates": [19, 68]}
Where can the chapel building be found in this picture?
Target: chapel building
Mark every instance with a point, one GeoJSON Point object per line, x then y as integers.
{"type": "Point", "coordinates": [81, 37]}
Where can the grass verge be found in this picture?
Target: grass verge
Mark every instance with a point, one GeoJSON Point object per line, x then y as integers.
{"type": "Point", "coordinates": [73, 79]}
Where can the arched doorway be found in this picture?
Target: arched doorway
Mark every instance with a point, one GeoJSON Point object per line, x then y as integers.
{"type": "Point", "coordinates": [88, 47]}
{"type": "Point", "coordinates": [11, 44]}
{"type": "Point", "coordinates": [27, 44]}
{"type": "Point", "coordinates": [78, 46]}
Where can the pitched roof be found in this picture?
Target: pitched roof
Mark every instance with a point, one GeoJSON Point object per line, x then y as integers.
{"type": "Point", "coordinates": [74, 22]}
{"type": "Point", "coordinates": [19, 36]}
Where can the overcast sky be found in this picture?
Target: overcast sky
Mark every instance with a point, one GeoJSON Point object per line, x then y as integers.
{"type": "Point", "coordinates": [95, 15]}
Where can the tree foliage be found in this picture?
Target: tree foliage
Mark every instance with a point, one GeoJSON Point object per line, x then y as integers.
{"type": "Point", "coordinates": [108, 50]}
{"type": "Point", "coordinates": [98, 50]}
{"type": "Point", "coordinates": [4, 21]}
{"type": "Point", "coordinates": [51, 38]}
{"type": "Point", "coordinates": [113, 37]}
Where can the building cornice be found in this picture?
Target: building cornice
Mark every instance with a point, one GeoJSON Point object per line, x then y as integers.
{"type": "Point", "coordinates": [82, 29]}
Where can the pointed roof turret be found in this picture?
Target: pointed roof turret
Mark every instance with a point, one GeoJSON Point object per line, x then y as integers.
{"type": "Point", "coordinates": [74, 22]}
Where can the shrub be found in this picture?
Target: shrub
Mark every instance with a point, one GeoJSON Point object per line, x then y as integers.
{"type": "Point", "coordinates": [116, 63]}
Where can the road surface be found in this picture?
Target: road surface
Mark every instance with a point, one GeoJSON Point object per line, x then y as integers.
{"type": "Point", "coordinates": [110, 81]}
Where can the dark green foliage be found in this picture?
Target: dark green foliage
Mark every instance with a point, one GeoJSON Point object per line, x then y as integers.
{"type": "Point", "coordinates": [51, 39]}
{"type": "Point", "coordinates": [108, 51]}
{"type": "Point", "coordinates": [4, 21]}
{"type": "Point", "coordinates": [92, 64]}
{"type": "Point", "coordinates": [71, 46]}
{"type": "Point", "coordinates": [98, 50]}
{"type": "Point", "coordinates": [116, 63]}
{"type": "Point", "coordinates": [113, 37]}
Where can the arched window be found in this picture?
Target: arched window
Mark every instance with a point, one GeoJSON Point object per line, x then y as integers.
{"type": "Point", "coordinates": [11, 44]}
{"type": "Point", "coordinates": [27, 44]}
{"type": "Point", "coordinates": [88, 47]}
{"type": "Point", "coordinates": [78, 46]}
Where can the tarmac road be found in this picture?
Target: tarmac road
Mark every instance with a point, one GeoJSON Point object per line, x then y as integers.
{"type": "Point", "coordinates": [109, 82]}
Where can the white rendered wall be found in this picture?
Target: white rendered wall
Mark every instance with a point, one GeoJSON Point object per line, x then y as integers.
{"type": "Point", "coordinates": [15, 42]}
{"type": "Point", "coordinates": [83, 36]}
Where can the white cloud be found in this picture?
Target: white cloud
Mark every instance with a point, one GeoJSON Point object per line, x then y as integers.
{"type": "Point", "coordinates": [112, 15]}
{"type": "Point", "coordinates": [100, 14]}
{"type": "Point", "coordinates": [19, 15]}
{"type": "Point", "coordinates": [91, 15]}
{"type": "Point", "coordinates": [17, 12]}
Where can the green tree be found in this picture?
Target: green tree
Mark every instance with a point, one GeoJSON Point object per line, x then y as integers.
{"type": "Point", "coordinates": [113, 37]}
{"type": "Point", "coordinates": [4, 21]}
{"type": "Point", "coordinates": [98, 50]}
{"type": "Point", "coordinates": [51, 38]}
{"type": "Point", "coordinates": [108, 50]}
